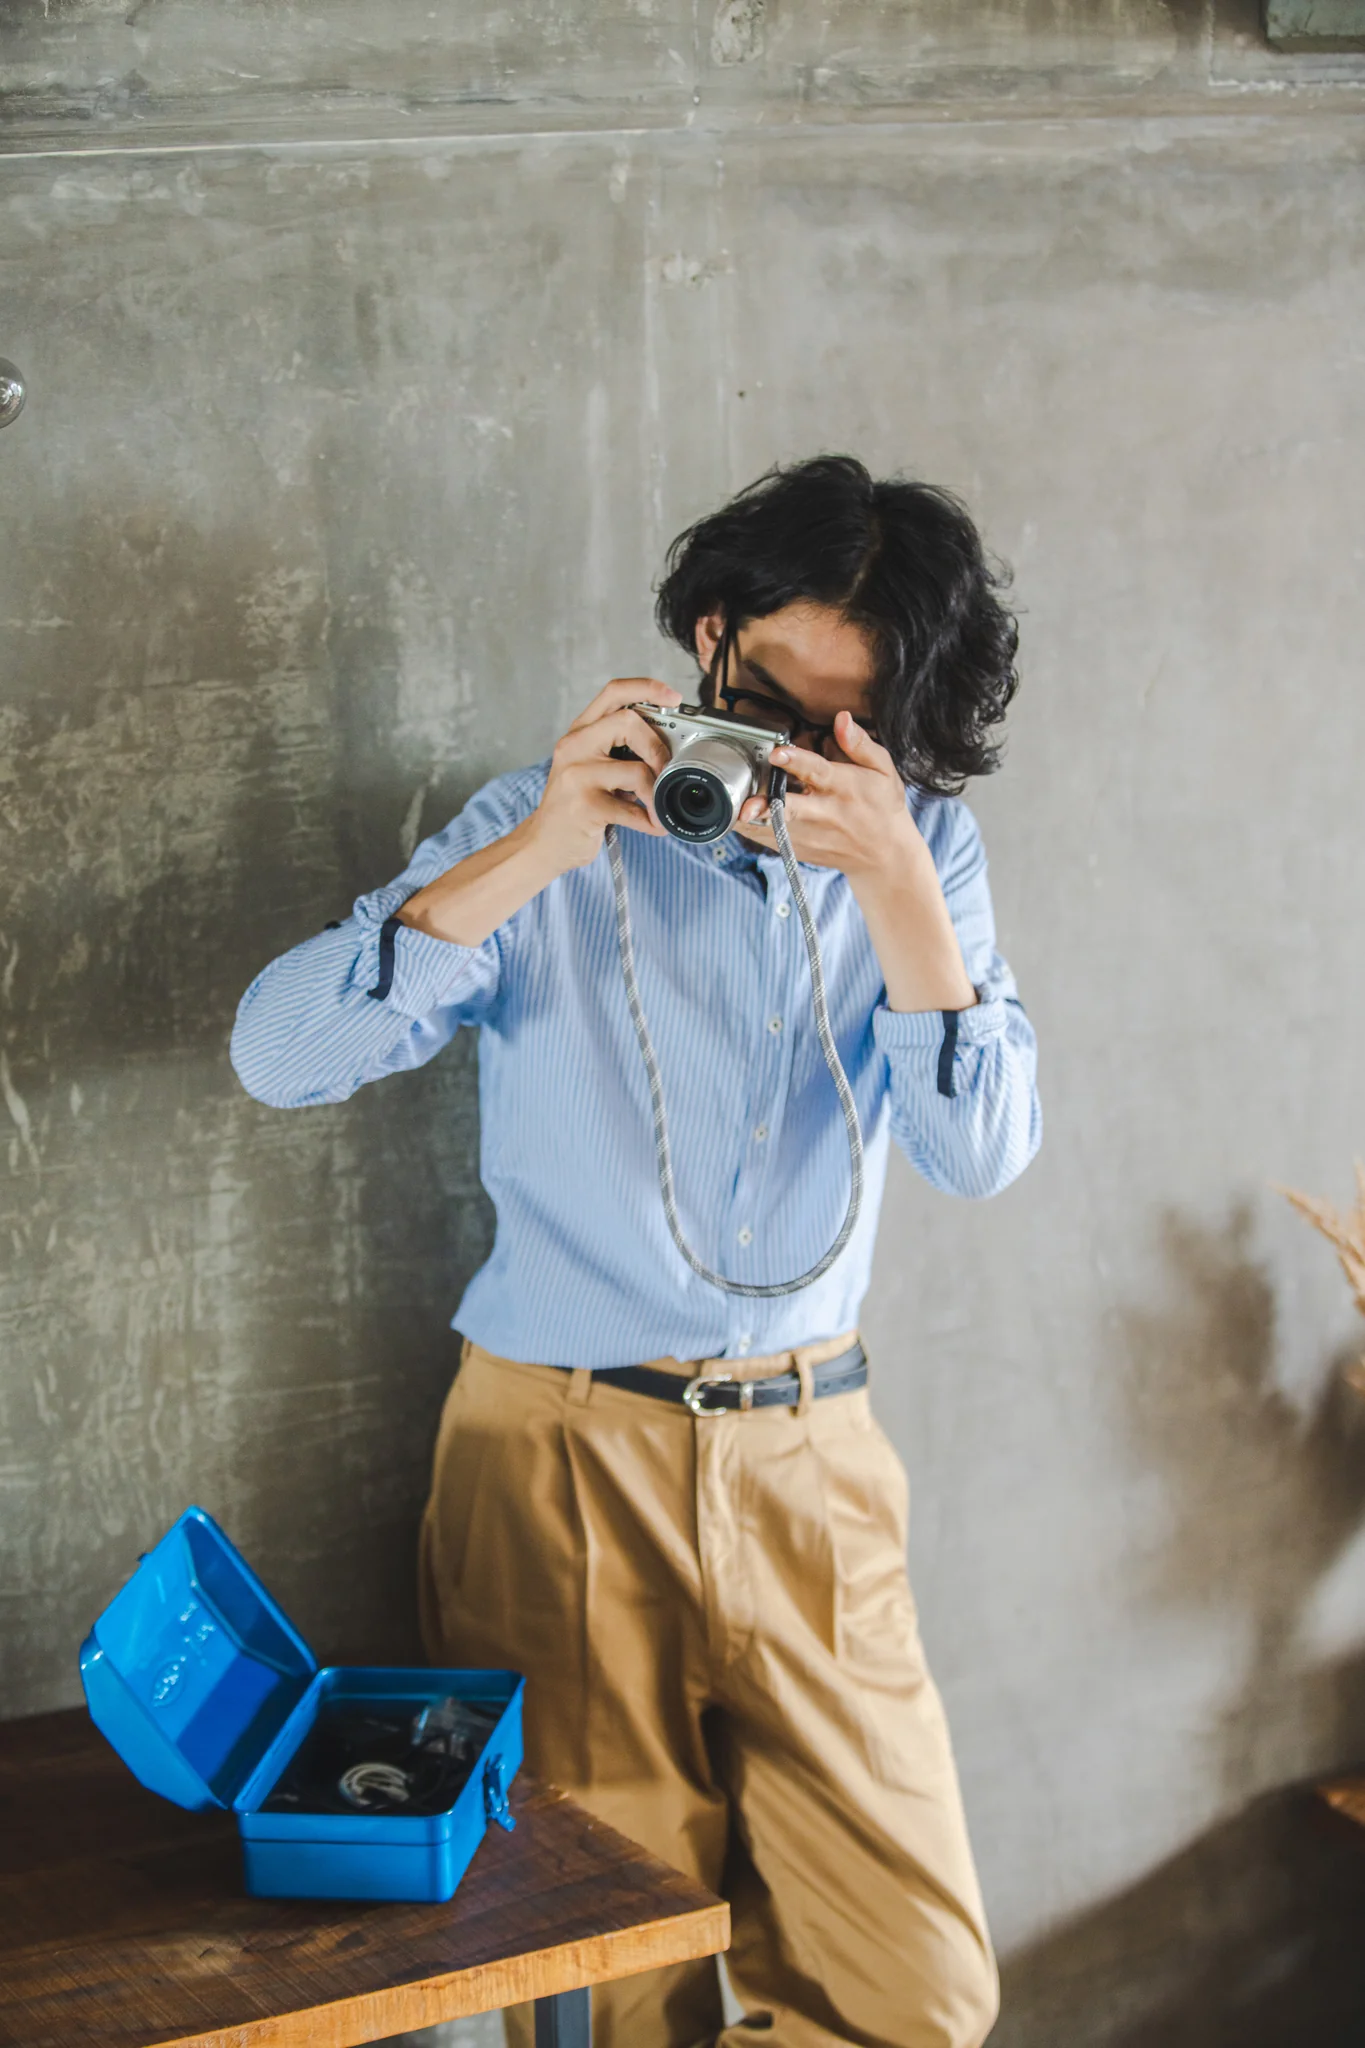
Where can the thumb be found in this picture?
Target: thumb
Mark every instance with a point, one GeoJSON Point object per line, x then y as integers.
{"type": "Point", "coordinates": [856, 743]}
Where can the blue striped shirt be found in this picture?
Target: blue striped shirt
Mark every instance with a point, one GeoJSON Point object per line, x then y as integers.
{"type": "Point", "coordinates": [583, 1270]}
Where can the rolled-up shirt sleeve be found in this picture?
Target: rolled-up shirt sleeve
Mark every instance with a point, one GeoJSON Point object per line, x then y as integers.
{"type": "Point", "coordinates": [371, 996]}
{"type": "Point", "coordinates": [963, 1084]}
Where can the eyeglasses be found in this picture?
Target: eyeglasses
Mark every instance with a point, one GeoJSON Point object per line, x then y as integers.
{"type": "Point", "coordinates": [744, 700]}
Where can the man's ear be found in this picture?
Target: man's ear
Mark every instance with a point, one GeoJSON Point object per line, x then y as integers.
{"type": "Point", "coordinates": [707, 637]}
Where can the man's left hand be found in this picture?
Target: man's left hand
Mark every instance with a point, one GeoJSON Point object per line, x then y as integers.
{"type": "Point", "coordinates": [849, 811]}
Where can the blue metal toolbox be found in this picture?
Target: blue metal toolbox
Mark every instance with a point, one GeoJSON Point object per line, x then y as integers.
{"type": "Point", "coordinates": [213, 1699]}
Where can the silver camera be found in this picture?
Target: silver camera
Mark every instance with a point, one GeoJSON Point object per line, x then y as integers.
{"type": "Point", "coordinates": [718, 761]}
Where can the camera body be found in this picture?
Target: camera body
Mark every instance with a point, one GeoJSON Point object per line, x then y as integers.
{"type": "Point", "coordinates": [718, 761]}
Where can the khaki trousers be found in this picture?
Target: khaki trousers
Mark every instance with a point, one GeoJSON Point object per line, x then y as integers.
{"type": "Point", "coordinates": [723, 1661]}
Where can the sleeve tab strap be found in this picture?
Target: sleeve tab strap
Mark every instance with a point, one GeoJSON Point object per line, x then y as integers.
{"type": "Point", "coordinates": [946, 1054]}
{"type": "Point", "coordinates": [388, 938]}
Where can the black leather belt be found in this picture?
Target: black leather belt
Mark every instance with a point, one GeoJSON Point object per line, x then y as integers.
{"type": "Point", "coordinates": [718, 1393]}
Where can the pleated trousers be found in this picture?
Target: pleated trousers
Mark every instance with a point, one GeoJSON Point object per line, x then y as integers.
{"type": "Point", "coordinates": [723, 1661]}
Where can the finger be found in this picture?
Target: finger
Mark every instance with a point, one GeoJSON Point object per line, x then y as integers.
{"type": "Point", "coordinates": [625, 811]}
{"type": "Point", "coordinates": [860, 746]}
{"type": "Point", "coordinates": [629, 729]}
{"type": "Point", "coordinates": [591, 787]}
{"type": "Point", "coordinates": [796, 804]}
{"type": "Point", "coordinates": [629, 799]}
{"type": "Point", "coordinates": [611, 779]}
{"type": "Point", "coordinates": [808, 811]}
{"type": "Point", "coordinates": [620, 728]}
{"type": "Point", "coordinates": [812, 771]}
{"type": "Point", "coordinates": [627, 690]}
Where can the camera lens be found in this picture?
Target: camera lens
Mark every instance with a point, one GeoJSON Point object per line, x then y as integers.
{"type": "Point", "coordinates": [698, 802]}
{"type": "Point", "coordinates": [699, 794]}
{"type": "Point", "coordinates": [692, 804]}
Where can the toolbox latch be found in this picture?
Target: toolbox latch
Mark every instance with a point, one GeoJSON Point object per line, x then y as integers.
{"type": "Point", "coordinates": [495, 1795]}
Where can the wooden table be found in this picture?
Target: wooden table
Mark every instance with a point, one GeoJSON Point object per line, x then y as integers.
{"type": "Point", "coordinates": [123, 1921]}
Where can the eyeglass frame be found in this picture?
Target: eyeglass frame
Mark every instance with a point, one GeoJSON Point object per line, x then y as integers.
{"type": "Point", "coordinates": [727, 693]}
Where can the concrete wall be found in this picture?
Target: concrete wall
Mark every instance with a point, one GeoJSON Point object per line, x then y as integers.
{"type": "Point", "coordinates": [354, 440]}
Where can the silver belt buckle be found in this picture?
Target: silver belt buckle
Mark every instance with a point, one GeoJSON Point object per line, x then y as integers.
{"type": "Point", "coordinates": [694, 1392]}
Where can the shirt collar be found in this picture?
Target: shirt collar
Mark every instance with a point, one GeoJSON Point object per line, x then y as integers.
{"type": "Point", "coordinates": [729, 852]}
{"type": "Point", "coordinates": [735, 857]}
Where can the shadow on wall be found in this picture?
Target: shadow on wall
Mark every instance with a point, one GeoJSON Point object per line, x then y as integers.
{"type": "Point", "coordinates": [1254, 1935]}
{"type": "Point", "coordinates": [206, 769]}
{"type": "Point", "coordinates": [1263, 1498]}
{"type": "Point", "coordinates": [210, 1300]}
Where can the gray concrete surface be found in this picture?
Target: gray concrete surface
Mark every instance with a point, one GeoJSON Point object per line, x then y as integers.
{"type": "Point", "coordinates": [80, 74]}
{"type": "Point", "coordinates": [344, 476]}
{"type": "Point", "coordinates": [1315, 24]}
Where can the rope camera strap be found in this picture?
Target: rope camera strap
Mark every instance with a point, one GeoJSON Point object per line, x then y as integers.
{"type": "Point", "coordinates": [777, 811]}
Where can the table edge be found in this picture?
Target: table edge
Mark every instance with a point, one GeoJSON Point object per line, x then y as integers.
{"type": "Point", "coordinates": [484, 1987]}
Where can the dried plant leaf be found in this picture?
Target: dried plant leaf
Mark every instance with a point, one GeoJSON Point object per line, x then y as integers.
{"type": "Point", "coordinates": [1345, 1231]}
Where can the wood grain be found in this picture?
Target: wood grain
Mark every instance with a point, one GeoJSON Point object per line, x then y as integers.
{"type": "Point", "coordinates": [1347, 1795]}
{"type": "Point", "coordinates": [123, 1921]}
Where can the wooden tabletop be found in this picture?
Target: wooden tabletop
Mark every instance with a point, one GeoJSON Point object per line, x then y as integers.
{"type": "Point", "coordinates": [123, 1920]}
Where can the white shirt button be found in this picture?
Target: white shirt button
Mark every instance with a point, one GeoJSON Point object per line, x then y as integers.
{"type": "Point", "coordinates": [742, 1346]}
{"type": "Point", "coordinates": [760, 1133]}
{"type": "Point", "coordinates": [784, 910]}
{"type": "Point", "coordinates": [774, 1025]}
{"type": "Point", "coordinates": [718, 850]}
{"type": "Point", "coordinates": [746, 1235]}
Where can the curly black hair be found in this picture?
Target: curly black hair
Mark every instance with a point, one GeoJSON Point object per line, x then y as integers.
{"type": "Point", "coordinates": [902, 560]}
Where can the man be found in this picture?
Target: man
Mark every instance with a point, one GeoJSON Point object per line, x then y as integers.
{"type": "Point", "coordinates": [709, 1596]}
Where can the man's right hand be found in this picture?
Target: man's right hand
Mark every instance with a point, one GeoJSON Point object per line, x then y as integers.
{"type": "Point", "coordinates": [587, 789]}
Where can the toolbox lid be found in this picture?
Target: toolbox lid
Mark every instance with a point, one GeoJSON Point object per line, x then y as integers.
{"type": "Point", "coordinates": [192, 1669]}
